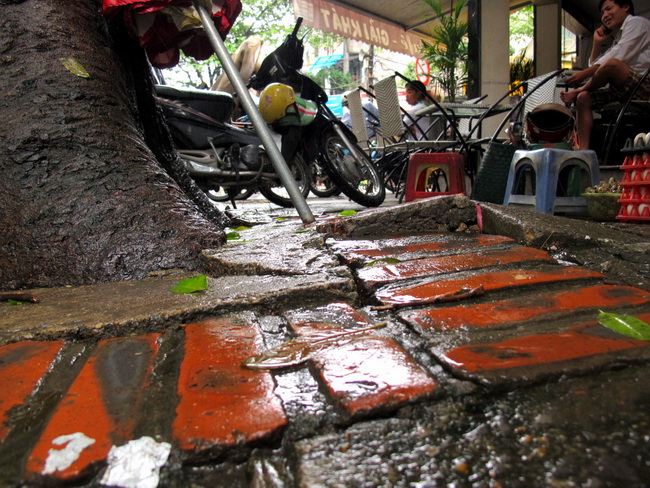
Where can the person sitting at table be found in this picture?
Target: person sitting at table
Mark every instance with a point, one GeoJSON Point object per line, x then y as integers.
{"type": "Point", "coordinates": [612, 75]}
{"type": "Point", "coordinates": [420, 128]}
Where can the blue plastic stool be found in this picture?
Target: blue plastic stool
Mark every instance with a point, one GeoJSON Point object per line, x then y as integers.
{"type": "Point", "coordinates": [555, 170]}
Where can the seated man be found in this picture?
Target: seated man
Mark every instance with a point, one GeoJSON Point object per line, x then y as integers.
{"type": "Point", "coordinates": [614, 74]}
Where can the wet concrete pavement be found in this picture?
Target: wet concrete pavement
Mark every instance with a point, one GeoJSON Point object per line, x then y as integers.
{"type": "Point", "coordinates": [410, 350]}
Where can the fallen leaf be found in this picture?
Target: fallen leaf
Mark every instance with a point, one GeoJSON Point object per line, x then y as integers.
{"type": "Point", "coordinates": [191, 285]}
{"type": "Point", "coordinates": [626, 325]}
{"type": "Point", "coordinates": [75, 67]}
{"type": "Point", "coordinates": [299, 350]}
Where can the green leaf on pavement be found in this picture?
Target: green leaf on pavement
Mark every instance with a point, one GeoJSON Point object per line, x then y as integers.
{"type": "Point", "coordinates": [382, 261]}
{"type": "Point", "coordinates": [74, 67]}
{"type": "Point", "coordinates": [191, 285]}
{"type": "Point", "coordinates": [348, 212]}
{"type": "Point", "coordinates": [625, 325]}
{"type": "Point", "coordinates": [233, 236]}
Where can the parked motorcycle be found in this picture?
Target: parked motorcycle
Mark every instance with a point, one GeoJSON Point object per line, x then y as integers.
{"type": "Point", "coordinates": [294, 106]}
{"type": "Point", "coordinates": [226, 161]}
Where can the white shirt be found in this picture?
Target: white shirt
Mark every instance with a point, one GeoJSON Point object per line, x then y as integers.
{"type": "Point", "coordinates": [631, 44]}
{"type": "Point", "coordinates": [422, 124]}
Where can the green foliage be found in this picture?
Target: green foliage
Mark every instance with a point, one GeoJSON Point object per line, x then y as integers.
{"type": "Point", "coordinates": [339, 82]}
{"type": "Point", "coordinates": [522, 28]}
{"type": "Point", "coordinates": [320, 40]}
{"type": "Point", "coordinates": [448, 53]}
{"type": "Point", "coordinates": [521, 68]}
{"type": "Point", "coordinates": [409, 72]}
{"type": "Point", "coordinates": [196, 74]}
{"type": "Point", "coordinates": [271, 20]}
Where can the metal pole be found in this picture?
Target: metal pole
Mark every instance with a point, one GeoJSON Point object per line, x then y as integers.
{"type": "Point", "coordinates": [251, 109]}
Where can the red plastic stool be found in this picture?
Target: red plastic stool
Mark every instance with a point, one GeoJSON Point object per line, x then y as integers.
{"type": "Point", "coordinates": [431, 174]}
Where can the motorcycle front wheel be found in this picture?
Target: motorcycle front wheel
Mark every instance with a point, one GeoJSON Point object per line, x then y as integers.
{"type": "Point", "coordinates": [275, 192]}
{"type": "Point", "coordinates": [352, 171]}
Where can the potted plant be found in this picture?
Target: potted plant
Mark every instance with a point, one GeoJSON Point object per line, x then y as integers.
{"type": "Point", "coordinates": [448, 52]}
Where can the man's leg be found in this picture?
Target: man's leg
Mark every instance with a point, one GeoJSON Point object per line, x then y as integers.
{"type": "Point", "coordinates": [612, 72]}
{"type": "Point", "coordinates": [584, 119]}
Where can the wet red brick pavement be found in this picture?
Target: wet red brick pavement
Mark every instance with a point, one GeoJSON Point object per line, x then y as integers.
{"type": "Point", "coordinates": [531, 321]}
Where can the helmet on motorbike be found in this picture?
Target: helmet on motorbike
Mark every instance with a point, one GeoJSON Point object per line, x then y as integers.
{"type": "Point", "coordinates": [274, 100]}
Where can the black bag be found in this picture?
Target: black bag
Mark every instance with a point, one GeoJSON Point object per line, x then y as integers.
{"type": "Point", "coordinates": [492, 176]}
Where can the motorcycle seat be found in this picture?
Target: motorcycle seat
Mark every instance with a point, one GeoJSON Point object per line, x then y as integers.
{"type": "Point", "coordinates": [218, 105]}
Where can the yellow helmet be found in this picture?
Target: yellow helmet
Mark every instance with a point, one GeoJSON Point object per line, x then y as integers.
{"type": "Point", "coordinates": [274, 100]}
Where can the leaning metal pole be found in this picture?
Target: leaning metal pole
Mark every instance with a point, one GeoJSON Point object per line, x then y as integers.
{"type": "Point", "coordinates": [271, 147]}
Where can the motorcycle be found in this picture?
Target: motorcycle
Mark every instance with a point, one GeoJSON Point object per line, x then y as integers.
{"type": "Point", "coordinates": [226, 161]}
{"type": "Point", "coordinates": [295, 107]}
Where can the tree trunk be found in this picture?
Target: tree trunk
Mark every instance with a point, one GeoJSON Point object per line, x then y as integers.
{"type": "Point", "coordinates": [83, 198]}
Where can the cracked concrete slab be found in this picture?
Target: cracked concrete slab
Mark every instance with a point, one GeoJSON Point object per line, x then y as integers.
{"type": "Point", "coordinates": [430, 215]}
{"type": "Point", "coordinates": [620, 251]}
{"type": "Point", "coordinates": [279, 251]}
{"type": "Point", "coordinates": [148, 305]}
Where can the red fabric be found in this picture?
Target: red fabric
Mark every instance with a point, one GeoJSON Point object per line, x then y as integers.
{"type": "Point", "coordinates": [162, 40]}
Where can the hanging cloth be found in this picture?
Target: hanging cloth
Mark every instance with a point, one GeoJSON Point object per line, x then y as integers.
{"type": "Point", "coordinates": [165, 27]}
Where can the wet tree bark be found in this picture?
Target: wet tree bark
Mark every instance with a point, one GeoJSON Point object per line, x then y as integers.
{"type": "Point", "coordinates": [83, 197]}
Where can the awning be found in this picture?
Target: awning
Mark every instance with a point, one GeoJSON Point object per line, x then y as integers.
{"type": "Point", "coordinates": [400, 26]}
{"type": "Point", "coordinates": [330, 17]}
{"type": "Point", "coordinates": [325, 62]}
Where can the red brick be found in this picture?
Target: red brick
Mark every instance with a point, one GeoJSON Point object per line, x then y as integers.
{"type": "Point", "coordinates": [490, 281]}
{"type": "Point", "coordinates": [511, 312]}
{"type": "Point", "coordinates": [371, 373]}
{"type": "Point", "coordinates": [22, 365]}
{"type": "Point", "coordinates": [363, 373]}
{"type": "Point", "coordinates": [360, 250]}
{"type": "Point", "coordinates": [101, 404]}
{"type": "Point", "coordinates": [223, 403]}
{"type": "Point", "coordinates": [585, 346]}
{"type": "Point", "coordinates": [418, 268]}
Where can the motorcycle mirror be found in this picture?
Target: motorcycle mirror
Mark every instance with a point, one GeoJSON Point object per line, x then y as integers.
{"type": "Point", "coordinates": [297, 27]}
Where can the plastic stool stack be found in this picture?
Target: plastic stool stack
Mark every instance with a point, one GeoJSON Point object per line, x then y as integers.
{"type": "Point", "coordinates": [432, 174]}
{"type": "Point", "coordinates": [556, 173]}
{"type": "Point", "coordinates": [635, 200]}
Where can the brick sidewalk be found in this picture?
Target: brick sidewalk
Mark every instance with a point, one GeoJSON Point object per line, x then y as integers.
{"type": "Point", "coordinates": [484, 308]}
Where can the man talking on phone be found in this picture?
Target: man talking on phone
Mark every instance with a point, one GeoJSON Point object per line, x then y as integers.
{"type": "Point", "coordinates": [611, 75]}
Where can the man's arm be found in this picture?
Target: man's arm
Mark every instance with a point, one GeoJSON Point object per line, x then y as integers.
{"type": "Point", "coordinates": [633, 40]}
{"type": "Point", "coordinates": [577, 78]}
